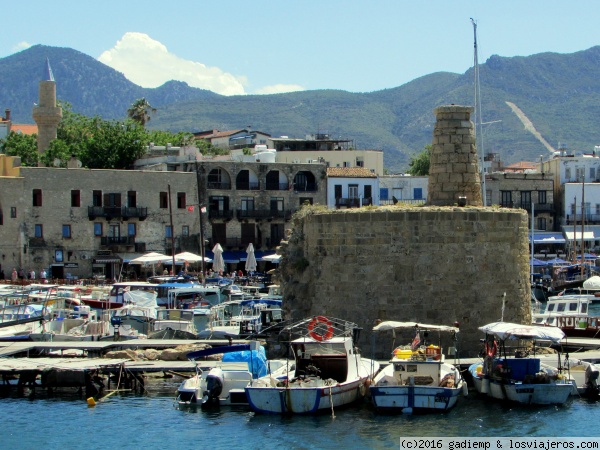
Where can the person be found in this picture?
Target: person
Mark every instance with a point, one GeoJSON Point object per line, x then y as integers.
{"type": "Point", "coordinates": [43, 274]}
{"type": "Point", "coordinates": [240, 273]}
{"type": "Point", "coordinates": [21, 274]}
{"type": "Point", "coordinates": [32, 274]}
{"type": "Point", "coordinates": [14, 275]}
{"type": "Point", "coordinates": [165, 272]}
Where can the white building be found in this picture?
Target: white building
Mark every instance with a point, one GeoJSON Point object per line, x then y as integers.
{"type": "Point", "coordinates": [351, 187]}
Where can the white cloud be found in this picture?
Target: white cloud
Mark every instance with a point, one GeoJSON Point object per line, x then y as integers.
{"type": "Point", "coordinates": [279, 89]}
{"type": "Point", "coordinates": [21, 46]}
{"type": "Point", "coordinates": [148, 63]}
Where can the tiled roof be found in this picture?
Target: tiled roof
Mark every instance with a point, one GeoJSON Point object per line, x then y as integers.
{"type": "Point", "coordinates": [350, 172]}
{"type": "Point", "coordinates": [218, 134]}
{"type": "Point", "coordinates": [24, 128]}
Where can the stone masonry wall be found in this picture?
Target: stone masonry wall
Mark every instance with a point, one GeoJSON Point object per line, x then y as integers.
{"type": "Point", "coordinates": [453, 169]}
{"type": "Point", "coordinates": [436, 265]}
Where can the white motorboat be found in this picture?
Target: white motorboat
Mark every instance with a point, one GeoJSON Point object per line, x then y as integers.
{"type": "Point", "coordinates": [224, 384]}
{"type": "Point", "coordinates": [329, 371]}
{"type": "Point", "coordinates": [418, 378]}
{"type": "Point", "coordinates": [521, 378]}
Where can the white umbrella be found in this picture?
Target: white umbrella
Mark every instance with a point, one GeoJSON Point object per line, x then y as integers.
{"type": "Point", "coordinates": [218, 263]}
{"type": "Point", "coordinates": [150, 258]}
{"type": "Point", "coordinates": [250, 259]}
{"type": "Point", "coordinates": [190, 257]}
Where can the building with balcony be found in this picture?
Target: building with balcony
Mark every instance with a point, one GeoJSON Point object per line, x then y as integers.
{"type": "Point", "coordinates": [351, 187]}
{"type": "Point", "coordinates": [403, 188]}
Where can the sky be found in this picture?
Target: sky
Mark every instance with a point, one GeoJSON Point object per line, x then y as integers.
{"type": "Point", "coordinates": [235, 47]}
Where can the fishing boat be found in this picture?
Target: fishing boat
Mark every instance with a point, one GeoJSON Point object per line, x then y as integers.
{"type": "Point", "coordinates": [518, 374]}
{"type": "Point", "coordinates": [418, 378]}
{"type": "Point", "coordinates": [329, 370]}
{"type": "Point", "coordinates": [223, 384]}
{"type": "Point", "coordinates": [570, 313]}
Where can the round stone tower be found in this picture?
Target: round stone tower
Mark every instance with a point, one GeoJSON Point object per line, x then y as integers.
{"type": "Point", "coordinates": [46, 114]}
{"type": "Point", "coordinates": [454, 177]}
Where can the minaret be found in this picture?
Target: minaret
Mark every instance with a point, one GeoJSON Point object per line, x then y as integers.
{"type": "Point", "coordinates": [46, 114]}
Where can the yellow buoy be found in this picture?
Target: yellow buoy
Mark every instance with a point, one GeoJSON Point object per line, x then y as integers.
{"type": "Point", "coordinates": [91, 401]}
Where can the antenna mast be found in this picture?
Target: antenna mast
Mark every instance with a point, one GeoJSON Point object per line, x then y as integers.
{"type": "Point", "coordinates": [478, 121]}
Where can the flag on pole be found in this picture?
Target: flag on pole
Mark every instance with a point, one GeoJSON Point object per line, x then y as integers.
{"type": "Point", "coordinates": [416, 341]}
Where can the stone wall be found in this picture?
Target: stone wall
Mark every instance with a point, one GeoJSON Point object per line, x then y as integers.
{"type": "Point", "coordinates": [436, 265]}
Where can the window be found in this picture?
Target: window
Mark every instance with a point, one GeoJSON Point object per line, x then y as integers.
{"type": "Point", "coordinates": [168, 231]}
{"type": "Point", "coordinates": [276, 204]}
{"type": "Point", "coordinates": [247, 203]}
{"type": "Point", "coordinates": [542, 197]}
{"type": "Point", "coordinates": [367, 191]}
{"type": "Point", "coordinates": [506, 199]}
{"type": "Point", "coordinates": [131, 229]}
{"type": "Point", "coordinates": [75, 198]}
{"type": "Point", "coordinates": [66, 231]}
{"type": "Point", "coordinates": [592, 174]}
{"type": "Point", "coordinates": [98, 229]}
{"type": "Point", "coordinates": [112, 200]}
{"type": "Point", "coordinates": [37, 197]}
{"type": "Point", "coordinates": [13, 212]}
{"type": "Point", "coordinates": [97, 198]}
{"type": "Point", "coordinates": [38, 231]}
{"type": "Point", "coordinates": [1, 218]}
{"type": "Point", "coordinates": [163, 200]}
{"type": "Point", "coordinates": [567, 173]}
{"type": "Point", "coordinates": [488, 197]}
{"type": "Point", "coordinates": [541, 223]}
{"type": "Point", "coordinates": [185, 231]}
{"type": "Point", "coordinates": [131, 199]}
{"type": "Point", "coordinates": [525, 199]}
{"type": "Point", "coordinates": [337, 189]}
{"type": "Point", "coordinates": [384, 193]}
{"type": "Point", "coordinates": [580, 174]}
{"type": "Point", "coordinates": [353, 191]}
{"type": "Point", "coordinates": [418, 193]}
{"type": "Point", "coordinates": [360, 162]}
{"type": "Point", "coordinates": [181, 200]}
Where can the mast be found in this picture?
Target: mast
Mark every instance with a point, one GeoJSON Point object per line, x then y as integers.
{"type": "Point", "coordinates": [478, 121]}
{"type": "Point", "coordinates": [582, 225]}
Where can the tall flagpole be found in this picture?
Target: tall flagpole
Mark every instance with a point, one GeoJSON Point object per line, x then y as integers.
{"type": "Point", "coordinates": [478, 121]}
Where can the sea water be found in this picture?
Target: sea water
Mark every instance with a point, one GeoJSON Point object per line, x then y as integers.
{"type": "Point", "coordinates": [154, 421]}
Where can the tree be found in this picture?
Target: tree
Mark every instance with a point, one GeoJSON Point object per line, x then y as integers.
{"type": "Point", "coordinates": [140, 111]}
{"type": "Point", "coordinates": [419, 163]}
{"type": "Point", "coordinates": [22, 145]}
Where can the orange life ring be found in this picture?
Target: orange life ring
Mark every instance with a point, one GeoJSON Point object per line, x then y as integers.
{"type": "Point", "coordinates": [491, 350]}
{"type": "Point", "coordinates": [320, 337]}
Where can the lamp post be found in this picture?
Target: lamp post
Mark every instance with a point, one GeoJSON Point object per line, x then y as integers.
{"type": "Point", "coordinates": [201, 206]}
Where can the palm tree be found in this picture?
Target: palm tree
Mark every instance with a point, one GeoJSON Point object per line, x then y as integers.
{"type": "Point", "coordinates": [140, 111]}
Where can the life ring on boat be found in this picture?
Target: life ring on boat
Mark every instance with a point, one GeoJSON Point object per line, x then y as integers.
{"type": "Point", "coordinates": [320, 337]}
{"type": "Point", "coordinates": [491, 348]}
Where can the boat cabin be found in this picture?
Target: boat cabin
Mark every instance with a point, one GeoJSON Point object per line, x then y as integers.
{"type": "Point", "coordinates": [323, 359]}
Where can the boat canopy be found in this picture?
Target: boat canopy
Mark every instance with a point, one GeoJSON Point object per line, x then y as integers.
{"type": "Point", "coordinates": [391, 325]}
{"type": "Point", "coordinates": [514, 331]}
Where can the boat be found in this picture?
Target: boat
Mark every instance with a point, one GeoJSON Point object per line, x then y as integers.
{"type": "Point", "coordinates": [418, 378]}
{"type": "Point", "coordinates": [570, 313]}
{"type": "Point", "coordinates": [223, 385]}
{"type": "Point", "coordinates": [329, 370]}
{"type": "Point", "coordinates": [118, 290]}
{"type": "Point", "coordinates": [520, 376]}
{"type": "Point", "coordinates": [241, 318]}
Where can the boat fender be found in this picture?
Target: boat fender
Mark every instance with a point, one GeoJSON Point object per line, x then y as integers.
{"type": "Point", "coordinates": [320, 320]}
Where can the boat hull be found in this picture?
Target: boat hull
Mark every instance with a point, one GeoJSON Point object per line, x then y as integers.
{"type": "Point", "coordinates": [414, 398]}
{"type": "Point", "coordinates": [304, 400]}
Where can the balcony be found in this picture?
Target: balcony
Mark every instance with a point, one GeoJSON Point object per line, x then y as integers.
{"type": "Point", "coordinates": [114, 212]}
{"type": "Point", "coordinates": [537, 207]}
{"type": "Point", "coordinates": [226, 214]}
{"type": "Point", "coordinates": [110, 241]}
{"type": "Point", "coordinates": [352, 202]}
{"type": "Point", "coordinates": [263, 214]}
{"type": "Point", "coordinates": [277, 186]}
{"type": "Point", "coordinates": [218, 185]}
{"type": "Point", "coordinates": [37, 242]}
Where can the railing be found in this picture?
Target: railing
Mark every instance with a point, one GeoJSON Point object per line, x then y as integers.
{"type": "Point", "coordinates": [537, 207]}
{"type": "Point", "coordinates": [220, 214]}
{"type": "Point", "coordinates": [111, 212]}
{"type": "Point", "coordinates": [240, 186]}
{"type": "Point", "coordinates": [121, 240]}
{"type": "Point", "coordinates": [308, 187]}
{"type": "Point", "coordinates": [266, 214]}
{"type": "Point", "coordinates": [277, 186]}
{"type": "Point", "coordinates": [218, 185]}
{"type": "Point", "coordinates": [353, 202]}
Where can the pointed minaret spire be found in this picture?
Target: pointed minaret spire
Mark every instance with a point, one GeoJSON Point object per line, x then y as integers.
{"type": "Point", "coordinates": [48, 75]}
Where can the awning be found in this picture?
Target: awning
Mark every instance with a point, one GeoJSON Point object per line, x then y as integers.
{"type": "Point", "coordinates": [576, 236]}
{"type": "Point", "coordinates": [231, 257]}
{"type": "Point", "coordinates": [547, 238]}
{"type": "Point", "coordinates": [106, 259]}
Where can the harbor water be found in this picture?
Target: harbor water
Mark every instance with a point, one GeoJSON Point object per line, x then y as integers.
{"type": "Point", "coordinates": [154, 421]}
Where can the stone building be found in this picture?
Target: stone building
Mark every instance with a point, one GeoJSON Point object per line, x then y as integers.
{"type": "Point", "coordinates": [79, 222]}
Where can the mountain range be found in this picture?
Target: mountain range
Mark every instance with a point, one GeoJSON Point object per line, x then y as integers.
{"type": "Point", "coordinates": [528, 104]}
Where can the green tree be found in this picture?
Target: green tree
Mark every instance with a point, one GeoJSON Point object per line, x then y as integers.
{"type": "Point", "coordinates": [140, 111]}
{"type": "Point", "coordinates": [180, 139]}
{"type": "Point", "coordinates": [419, 163]}
{"type": "Point", "coordinates": [57, 155]}
{"type": "Point", "coordinates": [22, 145]}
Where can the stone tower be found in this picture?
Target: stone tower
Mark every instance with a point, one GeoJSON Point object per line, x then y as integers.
{"type": "Point", "coordinates": [46, 114]}
{"type": "Point", "coordinates": [454, 177]}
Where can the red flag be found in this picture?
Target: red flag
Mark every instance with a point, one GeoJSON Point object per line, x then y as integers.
{"type": "Point", "coordinates": [190, 208]}
{"type": "Point", "coordinates": [416, 341]}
